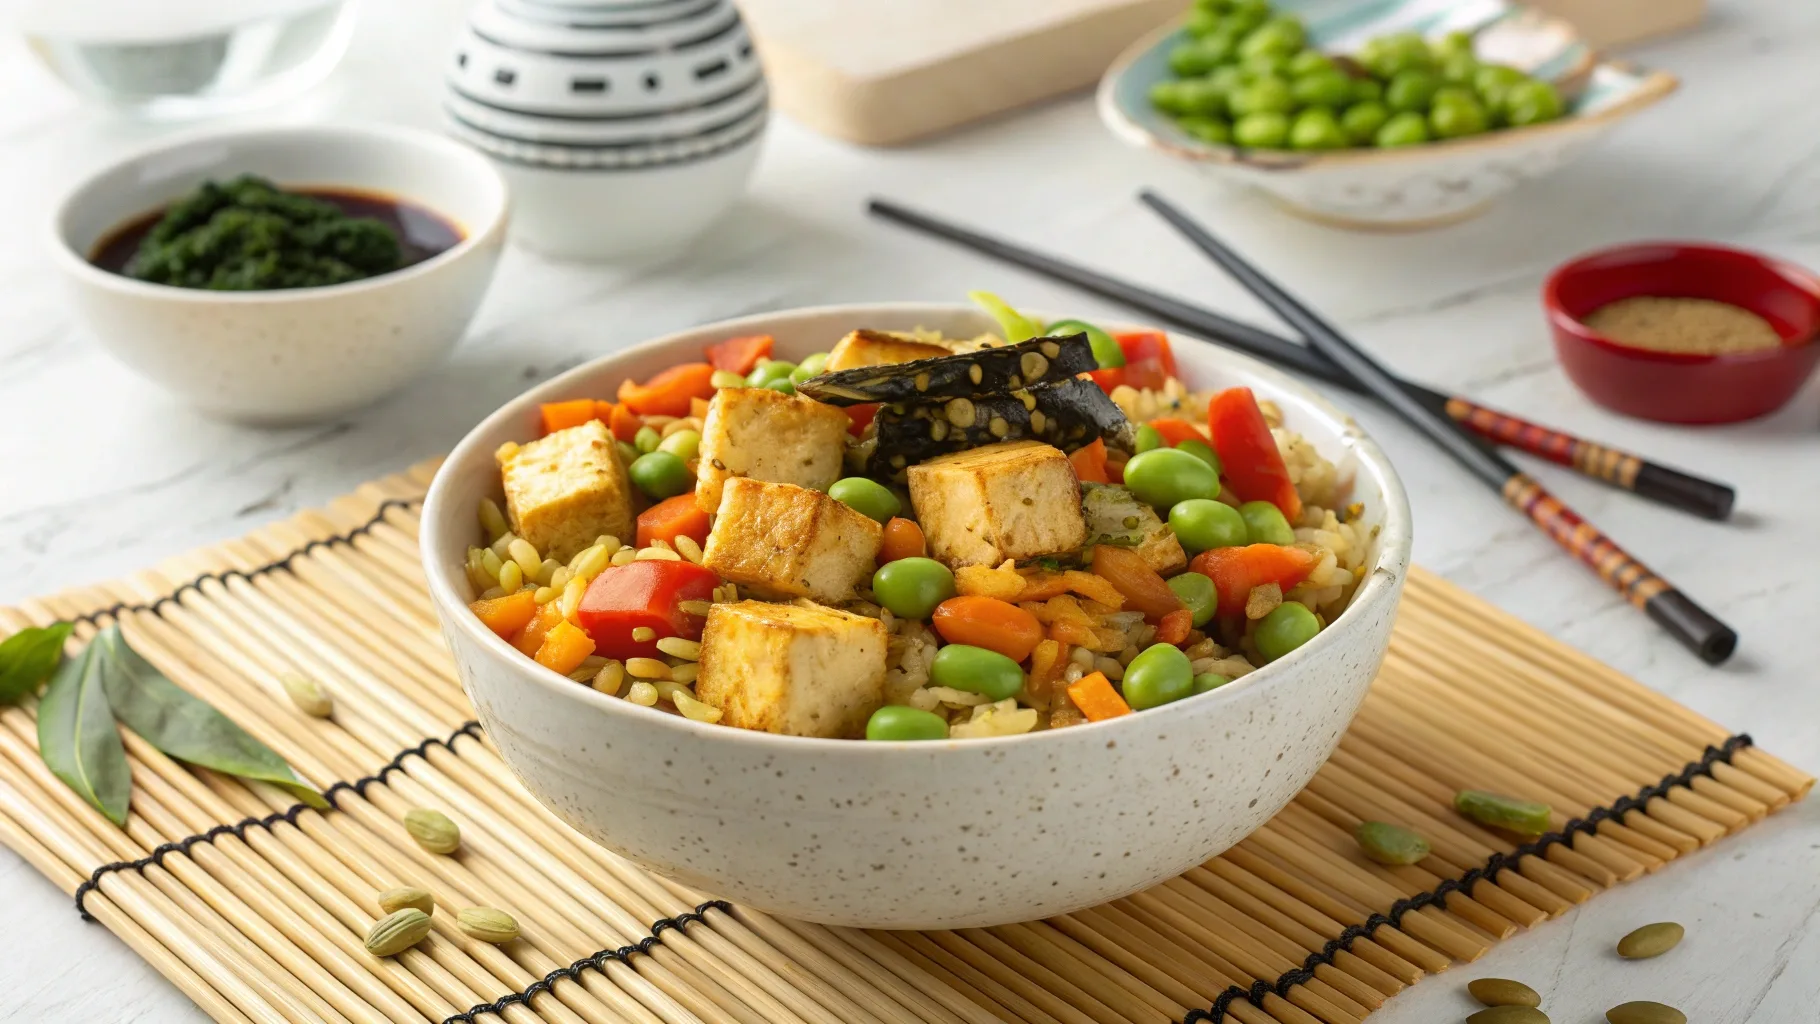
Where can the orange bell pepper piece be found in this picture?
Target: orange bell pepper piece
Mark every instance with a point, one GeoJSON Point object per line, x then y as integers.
{"type": "Point", "coordinates": [530, 638]}
{"type": "Point", "coordinates": [1175, 431]}
{"type": "Point", "coordinates": [563, 415]}
{"type": "Point", "coordinates": [623, 422]}
{"type": "Point", "coordinates": [564, 647]}
{"type": "Point", "coordinates": [1173, 628]}
{"type": "Point", "coordinates": [1090, 463]}
{"type": "Point", "coordinates": [507, 615]}
{"type": "Point", "coordinates": [1096, 698]}
{"type": "Point", "coordinates": [668, 393]}
{"type": "Point", "coordinates": [740, 355]}
{"type": "Point", "coordinates": [673, 518]}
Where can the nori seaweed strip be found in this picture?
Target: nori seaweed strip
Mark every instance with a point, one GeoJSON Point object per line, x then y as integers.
{"type": "Point", "coordinates": [1071, 414]}
{"type": "Point", "coordinates": [986, 371]}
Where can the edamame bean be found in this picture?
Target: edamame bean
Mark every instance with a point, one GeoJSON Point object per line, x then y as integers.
{"type": "Point", "coordinates": [1198, 593]}
{"type": "Point", "coordinates": [895, 722]}
{"type": "Point", "coordinates": [1202, 524]}
{"type": "Point", "coordinates": [1457, 118]}
{"type": "Point", "coordinates": [1163, 477]}
{"type": "Point", "coordinates": [1106, 350]}
{"type": "Point", "coordinates": [1412, 90]}
{"type": "Point", "coordinates": [684, 444]}
{"type": "Point", "coordinates": [1210, 130]}
{"type": "Point", "coordinates": [661, 475]}
{"type": "Point", "coordinates": [646, 440]}
{"type": "Point", "coordinates": [765, 373]}
{"type": "Point", "coordinates": [977, 670]}
{"type": "Point", "coordinates": [1286, 628]}
{"type": "Point", "coordinates": [1405, 129]}
{"type": "Point", "coordinates": [1316, 129]}
{"type": "Point", "coordinates": [1328, 87]}
{"type": "Point", "coordinates": [1266, 95]}
{"type": "Point", "coordinates": [782, 384]}
{"type": "Point", "coordinates": [1148, 437]}
{"type": "Point", "coordinates": [1261, 131]}
{"type": "Point", "coordinates": [1491, 82]}
{"type": "Point", "coordinates": [912, 587]}
{"type": "Point", "coordinates": [1264, 524]}
{"type": "Point", "coordinates": [1159, 675]}
{"type": "Point", "coordinates": [1209, 681]}
{"type": "Point", "coordinates": [867, 497]}
{"type": "Point", "coordinates": [1459, 68]}
{"type": "Point", "coordinates": [1530, 102]}
{"type": "Point", "coordinates": [1367, 90]}
{"type": "Point", "coordinates": [627, 453]}
{"type": "Point", "coordinates": [1362, 120]}
{"type": "Point", "coordinates": [1202, 97]}
{"type": "Point", "coordinates": [1309, 62]}
{"type": "Point", "coordinates": [727, 379]}
{"type": "Point", "coordinates": [1200, 450]}
{"type": "Point", "coordinates": [815, 362]}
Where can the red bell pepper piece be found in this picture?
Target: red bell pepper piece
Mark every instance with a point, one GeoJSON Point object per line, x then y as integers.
{"type": "Point", "coordinates": [1148, 359]}
{"type": "Point", "coordinates": [673, 518]}
{"type": "Point", "coordinates": [1090, 463]}
{"type": "Point", "coordinates": [1235, 571]}
{"type": "Point", "coordinates": [740, 355]}
{"type": "Point", "coordinates": [1107, 379]}
{"type": "Point", "coordinates": [862, 416]}
{"type": "Point", "coordinates": [1175, 431]}
{"type": "Point", "coordinates": [625, 597]}
{"type": "Point", "coordinates": [1249, 458]}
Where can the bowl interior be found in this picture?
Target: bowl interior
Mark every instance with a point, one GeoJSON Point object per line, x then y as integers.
{"type": "Point", "coordinates": [470, 474]}
{"type": "Point", "coordinates": [441, 175]}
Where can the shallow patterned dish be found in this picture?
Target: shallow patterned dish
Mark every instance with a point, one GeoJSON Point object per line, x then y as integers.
{"type": "Point", "coordinates": [942, 833]}
{"type": "Point", "coordinates": [1421, 186]}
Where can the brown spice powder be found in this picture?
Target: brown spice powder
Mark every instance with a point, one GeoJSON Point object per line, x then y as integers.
{"type": "Point", "coordinates": [1691, 326]}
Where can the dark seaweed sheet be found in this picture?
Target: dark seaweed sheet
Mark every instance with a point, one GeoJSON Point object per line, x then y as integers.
{"type": "Point", "coordinates": [985, 372]}
{"type": "Point", "coordinates": [1069, 414]}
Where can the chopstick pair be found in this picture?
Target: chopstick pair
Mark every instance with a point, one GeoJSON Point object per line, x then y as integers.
{"type": "Point", "coordinates": [1674, 488]}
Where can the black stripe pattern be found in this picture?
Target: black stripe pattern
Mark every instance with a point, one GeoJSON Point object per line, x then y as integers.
{"type": "Point", "coordinates": [1488, 871]}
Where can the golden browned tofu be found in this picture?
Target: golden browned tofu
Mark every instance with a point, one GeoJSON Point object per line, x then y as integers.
{"type": "Point", "coordinates": [566, 489]}
{"type": "Point", "coordinates": [768, 435]}
{"type": "Point", "coordinates": [1018, 499]}
{"type": "Point", "coordinates": [786, 541]}
{"type": "Point", "coordinates": [876, 348]}
{"type": "Point", "coordinates": [792, 669]}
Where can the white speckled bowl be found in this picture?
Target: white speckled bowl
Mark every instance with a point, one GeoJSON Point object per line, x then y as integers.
{"type": "Point", "coordinates": [950, 834]}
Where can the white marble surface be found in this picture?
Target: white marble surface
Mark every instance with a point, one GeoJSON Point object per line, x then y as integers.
{"type": "Point", "coordinates": [102, 473]}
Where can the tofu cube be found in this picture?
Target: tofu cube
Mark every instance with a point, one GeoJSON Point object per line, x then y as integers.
{"type": "Point", "coordinates": [798, 670]}
{"type": "Point", "coordinates": [876, 348]}
{"type": "Point", "coordinates": [1018, 499]}
{"type": "Point", "coordinates": [767, 435]}
{"type": "Point", "coordinates": [565, 489]}
{"type": "Point", "coordinates": [786, 541]}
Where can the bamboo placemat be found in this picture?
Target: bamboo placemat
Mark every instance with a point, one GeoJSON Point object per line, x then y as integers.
{"type": "Point", "coordinates": [256, 907]}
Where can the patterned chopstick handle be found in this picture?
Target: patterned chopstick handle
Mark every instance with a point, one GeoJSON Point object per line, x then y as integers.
{"type": "Point", "coordinates": [1702, 497]}
{"type": "Point", "coordinates": [1705, 635]}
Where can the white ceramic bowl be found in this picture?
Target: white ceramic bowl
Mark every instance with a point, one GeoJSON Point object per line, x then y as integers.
{"type": "Point", "coordinates": [299, 354]}
{"type": "Point", "coordinates": [1419, 186]}
{"type": "Point", "coordinates": [939, 834]}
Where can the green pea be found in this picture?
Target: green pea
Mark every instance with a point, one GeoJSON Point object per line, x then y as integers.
{"type": "Point", "coordinates": [1202, 524]}
{"type": "Point", "coordinates": [1148, 437]}
{"type": "Point", "coordinates": [1406, 129]}
{"type": "Point", "coordinates": [1269, 95]}
{"type": "Point", "coordinates": [912, 587]}
{"type": "Point", "coordinates": [782, 384]}
{"type": "Point", "coordinates": [1197, 592]}
{"type": "Point", "coordinates": [1531, 102]}
{"type": "Point", "coordinates": [627, 453]}
{"type": "Point", "coordinates": [646, 439]}
{"type": "Point", "coordinates": [977, 670]}
{"type": "Point", "coordinates": [1362, 120]}
{"type": "Point", "coordinates": [1365, 90]}
{"type": "Point", "coordinates": [1458, 118]}
{"type": "Point", "coordinates": [1265, 523]}
{"type": "Point", "coordinates": [1412, 90]}
{"type": "Point", "coordinates": [1316, 129]}
{"type": "Point", "coordinates": [1200, 450]}
{"type": "Point", "coordinates": [1162, 477]}
{"type": "Point", "coordinates": [1159, 675]}
{"type": "Point", "coordinates": [1209, 681]}
{"type": "Point", "coordinates": [1324, 88]}
{"type": "Point", "coordinates": [1106, 350]}
{"type": "Point", "coordinates": [1210, 130]}
{"type": "Point", "coordinates": [895, 722]}
{"type": "Point", "coordinates": [661, 475]}
{"type": "Point", "coordinates": [867, 497]}
{"type": "Point", "coordinates": [765, 373]}
{"type": "Point", "coordinates": [1308, 62]}
{"type": "Point", "coordinates": [684, 444]}
{"type": "Point", "coordinates": [1261, 131]}
{"type": "Point", "coordinates": [1287, 627]}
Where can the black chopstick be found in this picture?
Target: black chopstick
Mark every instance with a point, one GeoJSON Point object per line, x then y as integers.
{"type": "Point", "coordinates": [1675, 488]}
{"type": "Point", "coordinates": [1674, 611]}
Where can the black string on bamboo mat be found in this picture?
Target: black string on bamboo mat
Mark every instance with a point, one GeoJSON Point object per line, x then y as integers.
{"type": "Point", "coordinates": [598, 961]}
{"type": "Point", "coordinates": [116, 610]}
{"type": "Point", "coordinates": [238, 829]}
{"type": "Point", "coordinates": [1437, 896]}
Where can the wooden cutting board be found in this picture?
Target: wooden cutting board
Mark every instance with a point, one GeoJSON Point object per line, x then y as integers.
{"type": "Point", "coordinates": [885, 72]}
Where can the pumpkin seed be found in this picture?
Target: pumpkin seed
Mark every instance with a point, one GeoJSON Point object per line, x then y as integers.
{"type": "Point", "coordinates": [1645, 1012]}
{"type": "Point", "coordinates": [1525, 817]}
{"type": "Point", "coordinates": [1503, 992]}
{"type": "Point", "coordinates": [406, 897]}
{"type": "Point", "coordinates": [1390, 844]}
{"type": "Point", "coordinates": [397, 932]}
{"type": "Point", "coordinates": [433, 830]}
{"type": "Point", "coordinates": [1509, 1015]}
{"type": "Point", "coordinates": [487, 924]}
{"type": "Point", "coordinates": [1651, 940]}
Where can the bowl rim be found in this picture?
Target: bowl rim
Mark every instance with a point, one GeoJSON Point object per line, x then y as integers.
{"type": "Point", "coordinates": [1382, 583]}
{"type": "Point", "coordinates": [1656, 86]}
{"type": "Point", "coordinates": [1566, 325]}
{"type": "Point", "coordinates": [393, 137]}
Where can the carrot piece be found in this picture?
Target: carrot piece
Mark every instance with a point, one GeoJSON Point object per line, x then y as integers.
{"type": "Point", "coordinates": [1175, 431]}
{"type": "Point", "coordinates": [507, 615]}
{"type": "Point", "coordinates": [1094, 695]}
{"type": "Point", "coordinates": [1174, 628]}
{"type": "Point", "coordinates": [1249, 458]}
{"type": "Point", "coordinates": [564, 647]}
{"type": "Point", "coordinates": [563, 415]}
{"type": "Point", "coordinates": [673, 518]}
{"type": "Point", "coordinates": [986, 581]}
{"type": "Point", "coordinates": [530, 638]}
{"type": "Point", "coordinates": [862, 416]}
{"type": "Point", "coordinates": [1143, 588]}
{"type": "Point", "coordinates": [1090, 463]}
{"type": "Point", "coordinates": [990, 623]}
{"type": "Point", "coordinates": [1236, 571]}
{"type": "Point", "coordinates": [740, 355]}
{"type": "Point", "coordinates": [903, 539]}
{"type": "Point", "coordinates": [624, 423]}
{"type": "Point", "coordinates": [668, 393]}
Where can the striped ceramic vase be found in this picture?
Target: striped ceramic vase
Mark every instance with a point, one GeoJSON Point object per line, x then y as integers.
{"type": "Point", "coordinates": [624, 126]}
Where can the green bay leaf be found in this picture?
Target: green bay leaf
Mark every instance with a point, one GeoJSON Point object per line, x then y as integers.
{"type": "Point", "coordinates": [28, 657]}
{"type": "Point", "coordinates": [187, 727]}
{"type": "Point", "coordinates": [78, 739]}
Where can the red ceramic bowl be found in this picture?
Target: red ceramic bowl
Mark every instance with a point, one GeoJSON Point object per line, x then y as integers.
{"type": "Point", "coordinates": [1673, 387]}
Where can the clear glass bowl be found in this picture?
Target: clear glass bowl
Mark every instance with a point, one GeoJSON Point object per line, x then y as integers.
{"type": "Point", "coordinates": [189, 58]}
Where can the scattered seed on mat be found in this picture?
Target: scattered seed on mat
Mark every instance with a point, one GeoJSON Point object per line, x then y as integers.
{"type": "Point", "coordinates": [1651, 940]}
{"type": "Point", "coordinates": [308, 694]}
{"type": "Point", "coordinates": [1524, 817]}
{"type": "Point", "coordinates": [433, 830]}
{"type": "Point", "coordinates": [1645, 1012]}
{"type": "Point", "coordinates": [1503, 992]}
{"type": "Point", "coordinates": [487, 924]}
{"type": "Point", "coordinates": [1509, 1015]}
{"type": "Point", "coordinates": [1390, 844]}
{"type": "Point", "coordinates": [406, 897]}
{"type": "Point", "coordinates": [397, 932]}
